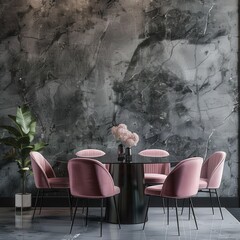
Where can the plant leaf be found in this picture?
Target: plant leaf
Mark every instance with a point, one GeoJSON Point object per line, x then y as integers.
{"type": "Point", "coordinates": [11, 130]}
{"type": "Point", "coordinates": [39, 146]}
{"type": "Point", "coordinates": [27, 163]}
{"type": "Point", "coordinates": [24, 165]}
{"type": "Point", "coordinates": [10, 141]}
{"type": "Point", "coordinates": [19, 163]}
{"type": "Point", "coordinates": [12, 154]}
{"type": "Point", "coordinates": [23, 140]}
{"type": "Point", "coordinates": [25, 151]}
{"type": "Point", "coordinates": [24, 119]}
{"type": "Point", "coordinates": [32, 130]}
{"type": "Point", "coordinates": [21, 170]}
{"type": "Point", "coordinates": [13, 118]}
{"type": "Point", "coordinates": [25, 169]}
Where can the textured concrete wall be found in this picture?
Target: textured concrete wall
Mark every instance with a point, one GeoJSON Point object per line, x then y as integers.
{"type": "Point", "coordinates": [167, 69]}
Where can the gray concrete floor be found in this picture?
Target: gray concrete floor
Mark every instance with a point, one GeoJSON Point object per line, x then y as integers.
{"type": "Point", "coordinates": [54, 224]}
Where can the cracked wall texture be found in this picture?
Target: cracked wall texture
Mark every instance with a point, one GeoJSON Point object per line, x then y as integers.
{"type": "Point", "coordinates": [167, 69]}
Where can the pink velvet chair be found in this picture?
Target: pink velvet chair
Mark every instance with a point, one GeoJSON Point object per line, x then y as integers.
{"type": "Point", "coordinates": [45, 179]}
{"type": "Point", "coordinates": [211, 175]}
{"type": "Point", "coordinates": [89, 179]}
{"type": "Point", "coordinates": [182, 182]}
{"type": "Point", "coordinates": [155, 173]}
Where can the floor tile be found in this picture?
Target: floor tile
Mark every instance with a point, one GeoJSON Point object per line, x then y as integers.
{"type": "Point", "coordinates": [54, 224]}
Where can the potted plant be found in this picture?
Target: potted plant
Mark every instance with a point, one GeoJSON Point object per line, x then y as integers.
{"type": "Point", "coordinates": [20, 140]}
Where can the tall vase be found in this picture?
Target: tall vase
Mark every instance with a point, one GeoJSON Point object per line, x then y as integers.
{"type": "Point", "coordinates": [128, 154]}
{"type": "Point", "coordinates": [120, 152]}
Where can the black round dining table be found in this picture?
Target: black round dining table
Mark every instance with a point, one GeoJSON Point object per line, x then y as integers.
{"type": "Point", "coordinates": [128, 175]}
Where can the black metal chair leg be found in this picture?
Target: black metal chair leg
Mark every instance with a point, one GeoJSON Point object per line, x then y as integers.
{"type": "Point", "coordinates": [163, 202]}
{"type": "Point", "coordinates": [69, 202]}
{"type": "Point", "coordinates": [189, 210]}
{"type": "Point", "coordinates": [36, 201]}
{"type": "Point", "coordinates": [83, 207]}
{"type": "Point", "coordinates": [210, 193]}
{"type": "Point", "coordinates": [116, 209]}
{"type": "Point", "coordinates": [191, 204]}
{"type": "Point", "coordinates": [183, 206]}
{"type": "Point", "coordinates": [167, 211]}
{"type": "Point", "coordinates": [101, 217]}
{"type": "Point", "coordinates": [74, 214]}
{"type": "Point", "coordinates": [41, 201]}
{"type": "Point", "coordinates": [177, 216]}
{"type": "Point", "coordinates": [86, 219]}
{"type": "Point", "coordinates": [146, 213]}
{"type": "Point", "coordinates": [219, 204]}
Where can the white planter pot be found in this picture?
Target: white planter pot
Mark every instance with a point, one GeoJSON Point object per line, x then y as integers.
{"type": "Point", "coordinates": [23, 200]}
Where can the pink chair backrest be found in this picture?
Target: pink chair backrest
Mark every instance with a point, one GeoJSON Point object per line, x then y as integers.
{"type": "Point", "coordinates": [183, 180]}
{"type": "Point", "coordinates": [107, 166]}
{"type": "Point", "coordinates": [42, 170]}
{"type": "Point", "coordinates": [212, 169]}
{"type": "Point", "coordinates": [89, 178]}
{"type": "Point", "coordinates": [161, 168]}
{"type": "Point", "coordinates": [90, 153]}
{"type": "Point", "coordinates": [154, 153]}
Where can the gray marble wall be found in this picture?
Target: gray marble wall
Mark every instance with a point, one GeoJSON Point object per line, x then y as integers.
{"type": "Point", "coordinates": [167, 69]}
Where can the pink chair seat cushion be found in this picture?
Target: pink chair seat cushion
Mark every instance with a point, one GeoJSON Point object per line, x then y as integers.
{"type": "Point", "coordinates": [154, 178]}
{"type": "Point", "coordinates": [203, 183]}
{"type": "Point", "coordinates": [154, 153]}
{"type": "Point", "coordinates": [115, 192]}
{"type": "Point", "coordinates": [154, 190]}
{"type": "Point", "coordinates": [91, 153]}
{"type": "Point", "coordinates": [58, 182]}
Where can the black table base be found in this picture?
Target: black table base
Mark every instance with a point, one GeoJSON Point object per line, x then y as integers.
{"type": "Point", "coordinates": [131, 201]}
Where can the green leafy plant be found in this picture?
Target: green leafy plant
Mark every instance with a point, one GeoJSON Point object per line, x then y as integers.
{"type": "Point", "coordinates": [20, 140]}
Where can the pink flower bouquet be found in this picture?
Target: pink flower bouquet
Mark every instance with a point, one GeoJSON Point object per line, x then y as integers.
{"type": "Point", "coordinates": [121, 133]}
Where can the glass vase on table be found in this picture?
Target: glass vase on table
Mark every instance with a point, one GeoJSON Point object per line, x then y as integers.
{"type": "Point", "coordinates": [121, 156]}
{"type": "Point", "coordinates": [128, 154]}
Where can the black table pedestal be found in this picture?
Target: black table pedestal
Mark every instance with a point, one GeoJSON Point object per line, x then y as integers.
{"type": "Point", "coordinates": [131, 201]}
